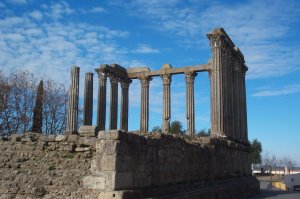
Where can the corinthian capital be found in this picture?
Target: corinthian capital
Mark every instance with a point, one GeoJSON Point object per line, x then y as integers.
{"type": "Point", "coordinates": [145, 80]}
{"type": "Point", "coordinates": [166, 78]}
{"type": "Point", "coordinates": [102, 76]}
{"type": "Point", "coordinates": [113, 79]}
{"type": "Point", "coordinates": [190, 77]}
{"type": "Point", "coordinates": [125, 83]}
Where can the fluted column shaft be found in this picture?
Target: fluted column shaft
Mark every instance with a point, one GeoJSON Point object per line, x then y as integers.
{"type": "Point", "coordinates": [72, 117]}
{"type": "Point", "coordinates": [244, 99]}
{"type": "Point", "coordinates": [113, 116]}
{"type": "Point", "coordinates": [190, 104]}
{"type": "Point", "coordinates": [88, 100]}
{"type": "Point", "coordinates": [217, 94]}
{"type": "Point", "coordinates": [124, 105]}
{"type": "Point", "coordinates": [166, 116]}
{"type": "Point", "coordinates": [144, 117]}
{"type": "Point", "coordinates": [238, 103]}
{"type": "Point", "coordinates": [234, 99]}
{"type": "Point", "coordinates": [101, 110]}
{"type": "Point", "coordinates": [231, 96]}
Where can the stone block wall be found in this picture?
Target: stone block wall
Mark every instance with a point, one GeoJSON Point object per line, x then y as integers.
{"type": "Point", "coordinates": [40, 166]}
{"type": "Point", "coordinates": [159, 164]}
{"type": "Point", "coordinates": [118, 164]}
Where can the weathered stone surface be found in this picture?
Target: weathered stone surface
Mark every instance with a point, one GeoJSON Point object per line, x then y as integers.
{"type": "Point", "coordinates": [81, 149]}
{"type": "Point", "coordinates": [60, 138]}
{"type": "Point", "coordinates": [142, 163]}
{"type": "Point", "coordinates": [87, 141]}
{"type": "Point", "coordinates": [88, 131]}
{"type": "Point", "coordinates": [94, 182]}
{"type": "Point", "coordinates": [72, 138]}
{"type": "Point", "coordinates": [127, 194]}
{"type": "Point", "coordinates": [43, 167]}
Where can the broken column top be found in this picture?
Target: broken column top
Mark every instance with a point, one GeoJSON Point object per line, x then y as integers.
{"type": "Point", "coordinates": [113, 70]}
{"type": "Point", "coordinates": [220, 34]}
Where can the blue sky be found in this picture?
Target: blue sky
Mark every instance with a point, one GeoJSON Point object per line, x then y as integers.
{"type": "Point", "coordinates": [48, 37]}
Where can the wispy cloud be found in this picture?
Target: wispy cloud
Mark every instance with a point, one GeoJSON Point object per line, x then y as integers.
{"type": "Point", "coordinates": [52, 47]}
{"type": "Point", "coordinates": [258, 28]}
{"type": "Point", "coordinates": [145, 49]}
{"type": "Point", "coordinates": [270, 92]}
{"type": "Point", "coordinates": [36, 15]}
{"type": "Point", "coordinates": [17, 2]}
{"type": "Point", "coordinates": [97, 10]}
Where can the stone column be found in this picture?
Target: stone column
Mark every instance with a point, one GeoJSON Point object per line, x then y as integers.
{"type": "Point", "coordinates": [144, 118]}
{"type": "Point", "coordinates": [190, 105]}
{"type": "Point", "coordinates": [234, 100]}
{"type": "Point", "coordinates": [220, 45]}
{"type": "Point", "coordinates": [88, 100]}
{"type": "Point", "coordinates": [72, 117]}
{"type": "Point", "coordinates": [87, 129]}
{"type": "Point", "coordinates": [166, 116]}
{"type": "Point", "coordinates": [216, 92]}
{"type": "Point", "coordinates": [113, 116]}
{"type": "Point", "coordinates": [244, 105]}
{"type": "Point", "coordinates": [124, 105]}
{"type": "Point", "coordinates": [238, 101]}
{"type": "Point", "coordinates": [101, 111]}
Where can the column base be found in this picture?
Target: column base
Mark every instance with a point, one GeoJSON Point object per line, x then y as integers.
{"type": "Point", "coordinates": [88, 131]}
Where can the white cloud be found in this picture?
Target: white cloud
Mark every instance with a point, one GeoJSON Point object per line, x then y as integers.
{"type": "Point", "coordinates": [145, 49]}
{"type": "Point", "coordinates": [97, 10]}
{"type": "Point", "coordinates": [258, 28]}
{"type": "Point", "coordinates": [36, 15]}
{"type": "Point", "coordinates": [58, 10]}
{"type": "Point", "coordinates": [286, 90]}
{"type": "Point", "coordinates": [52, 47]}
{"type": "Point", "coordinates": [17, 2]}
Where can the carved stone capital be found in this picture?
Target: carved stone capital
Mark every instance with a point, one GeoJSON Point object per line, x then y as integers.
{"type": "Point", "coordinates": [113, 79]}
{"type": "Point", "coordinates": [125, 83]}
{"type": "Point", "coordinates": [166, 78]}
{"type": "Point", "coordinates": [145, 80]}
{"type": "Point", "coordinates": [102, 76]}
{"type": "Point", "coordinates": [216, 41]}
{"type": "Point", "coordinates": [190, 77]}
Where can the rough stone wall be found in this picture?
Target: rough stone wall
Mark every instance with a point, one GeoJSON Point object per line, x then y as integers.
{"type": "Point", "coordinates": [39, 166]}
{"type": "Point", "coordinates": [117, 164]}
{"type": "Point", "coordinates": [156, 164]}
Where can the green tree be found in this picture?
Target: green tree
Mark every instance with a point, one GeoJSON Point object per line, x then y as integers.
{"type": "Point", "coordinates": [38, 110]}
{"type": "Point", "coordinates": [255, 153]}
{"type": "Point", "coordinates": [156, 129]}
{"type": "Point", "coordinates": [176, 128]}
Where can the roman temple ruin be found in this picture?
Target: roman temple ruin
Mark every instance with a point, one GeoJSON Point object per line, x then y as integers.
{"type": "Point", "coordinates": [226, 70]}
{"type": "Point", "coordinates": [99, 161]}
